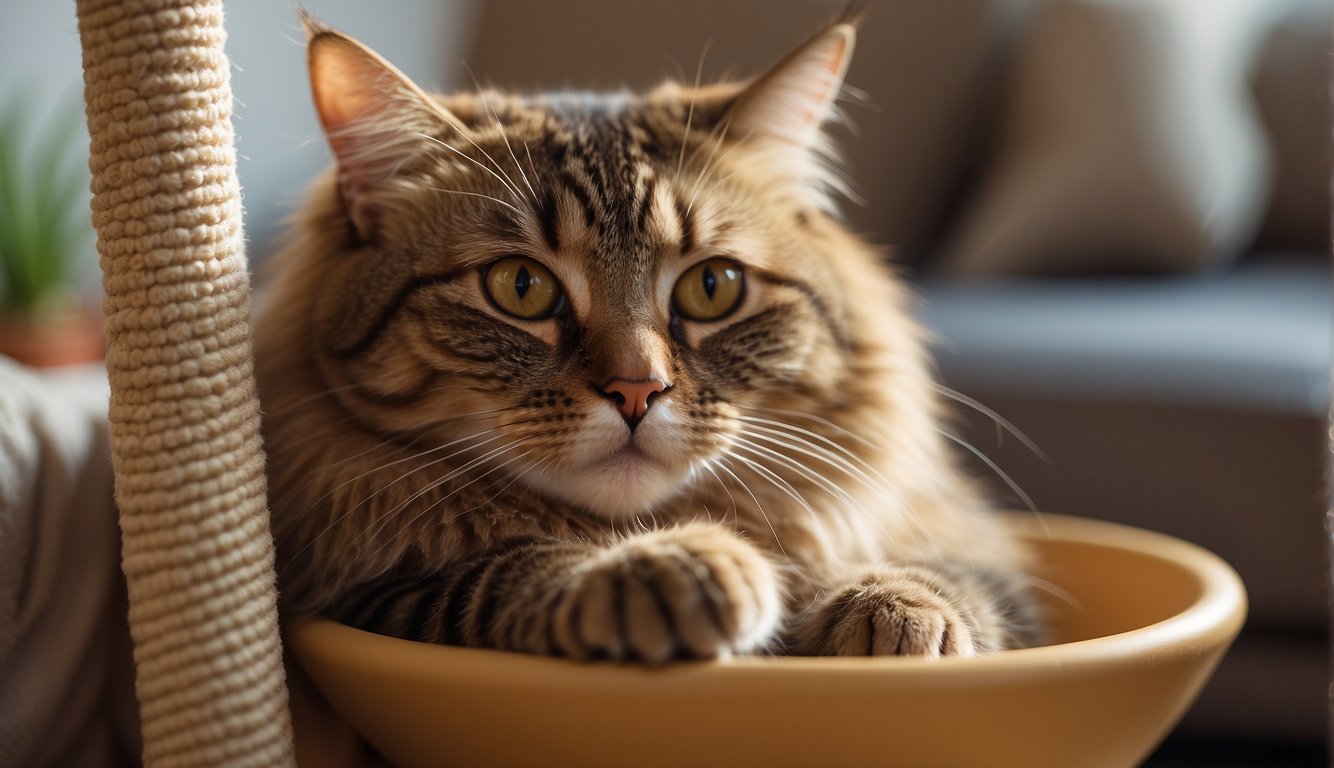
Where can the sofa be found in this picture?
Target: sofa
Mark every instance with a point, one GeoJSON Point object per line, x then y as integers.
{"type": "Point", "coordinates": [1197, 406]}
{"type": "Point", "coordinates": [1176, 382]}
{"type": "Point", "coordinates": [1116, 216]}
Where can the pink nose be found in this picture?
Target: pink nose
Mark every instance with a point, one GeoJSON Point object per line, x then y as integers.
{"type": "Point", "coordinates": [634, 396]}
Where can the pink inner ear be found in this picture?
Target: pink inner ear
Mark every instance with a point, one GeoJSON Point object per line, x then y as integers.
{"type": "Point", "coordinates": [818, 94]}
{"type": "Point", "coordinates": [822, 91]}
{"type": "Point", "coordinates": [341, 89]}
{"type": "Point", "coordinates": [792, 101]}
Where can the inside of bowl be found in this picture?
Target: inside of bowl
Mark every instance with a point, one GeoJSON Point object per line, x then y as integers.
{"type": "Point", "coordinates": [1091, 590]}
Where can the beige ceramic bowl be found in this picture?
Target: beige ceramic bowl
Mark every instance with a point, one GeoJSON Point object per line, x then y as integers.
{"type": "Point", "coordinates": [1146, 620]}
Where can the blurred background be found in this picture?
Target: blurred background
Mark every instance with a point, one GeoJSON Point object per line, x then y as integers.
{"type": "Point", "coordinates": [1116, 213]}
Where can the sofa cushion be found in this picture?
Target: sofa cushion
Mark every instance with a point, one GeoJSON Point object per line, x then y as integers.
{"type": "Point", "coordinates": [1292, 91]}
{"type": "Point", "coordinates": [1128, 142]}
{"type": "Point", "coordinates": [1256, 337]}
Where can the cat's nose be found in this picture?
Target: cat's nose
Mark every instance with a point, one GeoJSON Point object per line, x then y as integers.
{"type": "Point", "coordinates": [633, 396]}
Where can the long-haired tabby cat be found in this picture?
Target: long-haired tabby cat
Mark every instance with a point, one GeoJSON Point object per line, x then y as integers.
{"type": "Point", "coordinates": [603, 376]}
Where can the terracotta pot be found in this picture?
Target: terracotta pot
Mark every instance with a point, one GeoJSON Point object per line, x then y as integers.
{"type": "Point", "coordinates": [51, 339]}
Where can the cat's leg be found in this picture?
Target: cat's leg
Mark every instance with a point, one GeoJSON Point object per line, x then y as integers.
{"type": "Point", "coordinates": [696, 591]}
{"type": "Point", "coordinates": [918, 610]}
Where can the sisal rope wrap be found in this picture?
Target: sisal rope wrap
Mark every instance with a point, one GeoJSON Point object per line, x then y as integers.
{"type": "Point", "coordinates": [197, 551]}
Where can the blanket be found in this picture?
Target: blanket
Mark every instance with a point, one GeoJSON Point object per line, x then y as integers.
{"type": "Point", "coordinates": [66, 683]}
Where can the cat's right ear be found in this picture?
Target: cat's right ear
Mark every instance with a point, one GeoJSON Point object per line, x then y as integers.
{"type": "Point", "coordinates": [373, 115]}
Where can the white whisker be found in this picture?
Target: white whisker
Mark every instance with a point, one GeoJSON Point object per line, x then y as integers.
{"type": "Point", "coordinates": [777, 481]}
{"type": "Point", "coordinates": [386, 486]}
{"type": "Point", "coordinates": [911, 515]}
{"type": "Point", "coordinates": [387, 465]}
{"type": "Point", "coordinates": [730, 498]}
{"type": "Point", "coordinates": [475, 194]}
{"type": "Point", "coordinates": [690, 111]}
{"type": "Point", "coordinates": [378, 527]}
{"type": "Point", "coordinates": [1001, 422]}
{"type": "Point", "coordinates": [501, 127]}
{"type": "Point", "coordinates": [758, 507]}
{"type": "Point", "coordinates": [804, 472]}
{"type": "Point", "coordinates": [531, 166]}
{"type": "Point", "coordinates": [1002, 474]}
{"type": "Point", "coordinates": [712, 162]}
{"type": "Point", "coordinates": [1055, 591]}
{"type": "Point", "coordinates": [478, 478]}
{"type": "Point", "coordinates": [807, 448]}
{"type": "Point", "coordinates": [822, 421]}
{"type": "Point", "coordinates": [504, 182]}
{"type": "Point", "coordinates": [513, 187]}
{"type": "Point", "coordinates": [506, 487]}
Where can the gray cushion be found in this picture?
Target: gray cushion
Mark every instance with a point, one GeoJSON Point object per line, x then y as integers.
{"type": "Point", "coordinates": [1257, 336]}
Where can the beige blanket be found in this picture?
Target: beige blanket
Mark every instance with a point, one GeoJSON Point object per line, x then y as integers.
{"type": "Point", "coordinates": [66, 689]}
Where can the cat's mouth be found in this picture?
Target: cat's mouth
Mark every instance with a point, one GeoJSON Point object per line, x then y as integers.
{"type": "Point", "coordinates": [629, 451]}
{"type": "Point", "coordinates": [630, 458]}
{"type": "Point", "coordinates": [623, 479]}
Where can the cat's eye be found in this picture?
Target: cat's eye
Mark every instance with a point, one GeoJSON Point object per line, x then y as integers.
{"type": "Point", "coordinates": [710, 290]}
{"type": "Point", "coordinates": [522, 287]}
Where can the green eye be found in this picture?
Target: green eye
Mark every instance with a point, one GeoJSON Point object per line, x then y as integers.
{"type": "Point", "coordinates": [710, 290]}
{"type": "Point", "coordinates": [521, 287]}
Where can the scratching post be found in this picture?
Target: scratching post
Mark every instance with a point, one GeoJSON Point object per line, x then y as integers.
{"type": "Point", "coordinates": [197, 551]}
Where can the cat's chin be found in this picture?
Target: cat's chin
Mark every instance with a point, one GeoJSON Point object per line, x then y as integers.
{"type": "Point", "coordinates": [622, 484]}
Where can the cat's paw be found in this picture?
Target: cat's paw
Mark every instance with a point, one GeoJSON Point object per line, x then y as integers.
{"type": "Point", "coordinates": [890, 614]}
{"type": "Point", "coordinates": [697, 591]}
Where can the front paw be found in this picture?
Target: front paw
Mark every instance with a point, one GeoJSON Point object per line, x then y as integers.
{"type": "Point", "coordinates": [697, 591]}
{"type": "Point", "coordinates": [896, 613]}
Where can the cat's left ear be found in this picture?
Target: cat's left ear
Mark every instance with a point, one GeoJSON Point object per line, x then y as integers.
{"type": "Point", "coordinates": [791, 101]}
{"type": "Point", "coordinates": [374, 116]}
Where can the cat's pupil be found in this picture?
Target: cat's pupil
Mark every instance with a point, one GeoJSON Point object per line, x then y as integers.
{"type": "Point", "coordinates": [710, 283]}
{"type": "Point", "coordinates": [522, 281]}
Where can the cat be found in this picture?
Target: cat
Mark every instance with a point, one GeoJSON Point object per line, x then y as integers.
{"type": "Point", "coordinates": [603, 376]}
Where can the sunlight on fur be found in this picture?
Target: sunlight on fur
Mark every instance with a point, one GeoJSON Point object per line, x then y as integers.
{"type": "Point", "coordinates": [603, 376]}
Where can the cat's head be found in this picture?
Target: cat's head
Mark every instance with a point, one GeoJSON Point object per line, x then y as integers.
{"type": "Point", "coordinates": [583, 293]}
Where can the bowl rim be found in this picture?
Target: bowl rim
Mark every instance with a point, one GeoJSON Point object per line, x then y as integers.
{"type": "Point", "coordinates": [1212, 620]}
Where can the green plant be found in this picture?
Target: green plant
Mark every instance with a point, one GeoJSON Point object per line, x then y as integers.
{"type": "Point", "coordinates": [44, 226]}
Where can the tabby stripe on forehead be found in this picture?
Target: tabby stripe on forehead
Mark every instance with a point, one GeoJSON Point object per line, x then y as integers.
{"type": "Point", "coordinates": [683, 216]}
{"type": "Point", "coordinates": [595, 171]}
{"type": "Point", "coordinates": [582, 194]}
{"type": "Point", "coordinates": [390, 309]}
{"type": "Point", "coordinates": [549, 215]}
{"type": "Point", "coordinates": [645, 204]}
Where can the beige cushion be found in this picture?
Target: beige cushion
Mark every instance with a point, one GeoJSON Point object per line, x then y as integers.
{"type": "Point", "coordinates": [1128, 142]}
{"type": "Point", "coordinates": [1292, 91]}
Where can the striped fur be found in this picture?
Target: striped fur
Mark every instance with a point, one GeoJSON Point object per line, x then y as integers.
{"type": "Point", "coordinates": [445, 472]}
